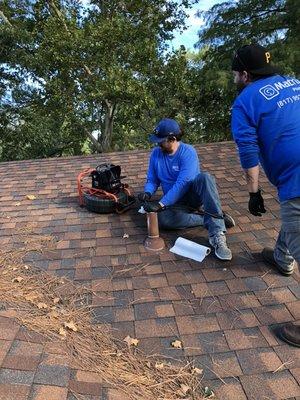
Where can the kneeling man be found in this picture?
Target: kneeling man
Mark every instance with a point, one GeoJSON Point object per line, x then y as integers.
{"type": "Point", "coordinates": [175, 166]}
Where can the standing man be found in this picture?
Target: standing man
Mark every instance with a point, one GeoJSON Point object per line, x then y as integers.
{"type": "Point", "coordinates": [266, 129]}
{"type": "Point", "coordinates": [175, 166]}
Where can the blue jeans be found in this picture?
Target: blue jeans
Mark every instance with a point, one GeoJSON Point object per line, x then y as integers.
{"type": "Point", "coordinates": [287, 247]}
{"type": "Point", "coordinates": [203, 192]}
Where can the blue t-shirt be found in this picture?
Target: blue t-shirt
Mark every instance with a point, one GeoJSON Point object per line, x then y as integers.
{"type": "Point", "coordinates": [266, 129]}
{"type": "Point", "coordinates": [173, 172]}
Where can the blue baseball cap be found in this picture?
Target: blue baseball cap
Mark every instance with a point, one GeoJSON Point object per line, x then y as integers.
{"type": "Point", "coordinates": [165, 128]}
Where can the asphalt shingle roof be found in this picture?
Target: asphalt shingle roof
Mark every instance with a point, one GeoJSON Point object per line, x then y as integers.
{"type": "Point", "coordinates": [224, 313]}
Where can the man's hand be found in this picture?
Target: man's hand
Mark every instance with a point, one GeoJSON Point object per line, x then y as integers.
{"type": "Point", "coordinates": [144, 197]}
{"type": "Point", "coordinates": [153, 206]}
{"type": "Point", "coordinates": [256, 204]}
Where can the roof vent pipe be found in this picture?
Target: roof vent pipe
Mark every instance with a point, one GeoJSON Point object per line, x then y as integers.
{"type": "Point", "coordinates": [153, 242]}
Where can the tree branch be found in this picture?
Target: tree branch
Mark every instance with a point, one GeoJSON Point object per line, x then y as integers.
{"type": "Point", "coordinates": [262, 14]}
{"type": "Point", "coordinates": [60, 16]}
{"type": "Point", "coordinates": [94, 141]}
{"type": "Point", "coordinates": [5, 19]}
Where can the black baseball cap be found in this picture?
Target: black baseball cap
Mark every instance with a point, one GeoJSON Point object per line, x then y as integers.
{"type": "Point", "coordinates": [255, 59]}
{"type": "Point", "coordinates": [165, 128]}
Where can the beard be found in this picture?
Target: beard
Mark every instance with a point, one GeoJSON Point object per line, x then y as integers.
{"type": "Point", "coordinates": [240, 86]}
{"type": "Point", "coordinates": [165, 150]}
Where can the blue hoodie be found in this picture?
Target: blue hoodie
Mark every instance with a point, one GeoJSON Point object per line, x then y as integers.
{"type": "Point", "coordinates": [173, 172]}
{"type": "Point", "coordinates": [266, 129]}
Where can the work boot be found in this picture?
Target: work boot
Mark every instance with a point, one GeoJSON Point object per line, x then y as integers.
{"type": "Point", "coordinates": [218, 242]}
{"type": "Point", "coordinates": [291, 334]}
{"type": "Point", "coordinates": [268, 256]}
{"type": "Point", "coordinates": [228, 221]}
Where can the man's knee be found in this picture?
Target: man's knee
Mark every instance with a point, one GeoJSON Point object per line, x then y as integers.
{"type": "Point", "coordinates": [203, 178]}
{"type": "Point", "coordinates": [293, 244]}
{"type": "Point", "coordinates": [165, 219]}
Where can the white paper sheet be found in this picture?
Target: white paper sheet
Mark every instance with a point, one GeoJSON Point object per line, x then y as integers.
{"type": "Point", "coordinates": [189, 249]}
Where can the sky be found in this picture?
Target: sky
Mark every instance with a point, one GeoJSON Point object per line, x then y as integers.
{"type": "Point", "coordinates": [190, 36]}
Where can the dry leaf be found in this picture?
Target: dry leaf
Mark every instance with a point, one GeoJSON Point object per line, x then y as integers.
{"type": "Point", "coordinates": [70, 325]}
{"type": "Point", "coordinates": [14, 268]}
{"type": "Point", "coordinates": [31, 297]}
{"type": "Point", "coordinates": [177, 344]}
{"type": "Point", "coordinates": [184, 388]}
{"type": "Point", "coordinates": [125, 236]}
{"type": "Point", "coordinates": [17, 204]}
{"type": "Point", "coordinates": [18, 279]}
{"type": "Point", "coordinates": [42, 306]}
{"type": "Point", "coordinates": [159, 365]}
{"type": "Point", "coordinates": [62, 332]}
{"type": "Point", "coordinates": [56, 300]}
{"type": "Point", "coordinates": [130, 341]}
{"type": "Point", "coordinates": [134, 342]}
{"type": "Point", "coordinates": [197, 371]}
{"type": "Point", "coordinates": [30, 197]}
{"type": "Point", "coordinates": [54, 314]}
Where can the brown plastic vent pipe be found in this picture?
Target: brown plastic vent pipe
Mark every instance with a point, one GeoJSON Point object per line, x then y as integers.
{"type": "Point", "coordinates": [153, 242]}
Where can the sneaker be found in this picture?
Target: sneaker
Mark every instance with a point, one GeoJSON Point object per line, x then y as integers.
{"type": "Point", "coordinates": [268, 256]}
{"type": "Point", "coordinates": [228, 220]}
{"type": "Point", "coordinates": [291, 334]}
{"type": "Point", "coordinates": [218, 242]}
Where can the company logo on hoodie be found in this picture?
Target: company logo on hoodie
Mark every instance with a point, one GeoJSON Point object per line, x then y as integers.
{"type": "Point", "coordinates": [271, 91]}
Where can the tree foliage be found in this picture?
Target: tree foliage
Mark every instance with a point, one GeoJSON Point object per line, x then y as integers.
{"type": "Point", "coordinates": [272, 23]}
{"type": "Point", "coordinates": [68, 70]}
{"type": "Point", "coordinates": [230, 25]}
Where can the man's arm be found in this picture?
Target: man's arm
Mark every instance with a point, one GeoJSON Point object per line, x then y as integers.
{"type": "Point", "coordinates": [188, 168]}
{"type": "Point", "coordinates": [252, 178]}
{"type": "Point", "coordinates": [153, 182]}
{"type": "Point", "coordinates": [245, 136]}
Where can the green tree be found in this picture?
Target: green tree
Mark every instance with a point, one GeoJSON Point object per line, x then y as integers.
{"type": "Point", "coordinates": [67, 71]}
{"type": "Point", "coordinates": [273, 23]}
{"type": "Point", "coordinates": [228, 26]}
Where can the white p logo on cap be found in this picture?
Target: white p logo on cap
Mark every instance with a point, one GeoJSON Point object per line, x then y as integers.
{"type": "Point", "coordinates": [268, 57]}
